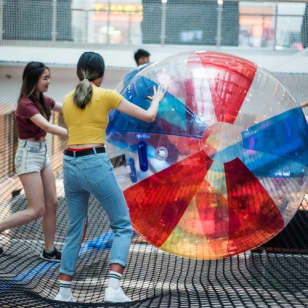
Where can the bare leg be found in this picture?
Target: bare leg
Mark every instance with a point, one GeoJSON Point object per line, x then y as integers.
{"type": "Point", "coordinates": [117, 268]}
{"type": "Point", "coordinates": [65, 277]}
{"type": "Point", "coordinates": [51, 204]}
{"type": "Point", "coordinates": [33, 187]}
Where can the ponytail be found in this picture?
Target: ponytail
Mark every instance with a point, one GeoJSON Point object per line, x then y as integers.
{"type": "Point", "coordinates": [90, 66]}
{"type": "Point", "coordinates": [83, 93]}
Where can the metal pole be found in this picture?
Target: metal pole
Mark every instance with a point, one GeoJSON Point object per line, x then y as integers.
{"type": "Point", "coordinates": [262, 38]}
{"type": "Point", "coordinates": [108, 22]}
{"type": "Point", "coordinates": [1, 20]}
{"type": "Point", "coordinates": [163, 22]}
{"type": "Point", "coordinates": [86, 33]}
{"type": "Point", "coordinates": [129, 34]}
{"type": "Point", "coordinates": [275, 27]}
{"type": "Point", "coordinates": [54, 21]}
{"type": "Point", "coordinates": [219, 22]}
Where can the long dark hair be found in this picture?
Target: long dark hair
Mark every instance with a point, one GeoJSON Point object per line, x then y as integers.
{"type": "Point", "coordinates": [90, 66]}
{"type": "Point", "coordinates": [30, 78]}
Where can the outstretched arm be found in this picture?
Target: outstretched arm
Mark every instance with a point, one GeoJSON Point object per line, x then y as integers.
{"type": "Point", "coordinates": [135, 111]}
{"type": "Point", "coordinates": [41, 122]}
{"type": "Point", "coordinates": [304, 105]}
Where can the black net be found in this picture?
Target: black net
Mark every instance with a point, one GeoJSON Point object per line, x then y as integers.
{"type": "Point", "coordinates": [153, 278]}
{"type": "Point", "coordinates": [261, 24]}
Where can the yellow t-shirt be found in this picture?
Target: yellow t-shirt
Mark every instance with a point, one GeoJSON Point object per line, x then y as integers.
{"type": "Point", "coordinates": [89, 125]}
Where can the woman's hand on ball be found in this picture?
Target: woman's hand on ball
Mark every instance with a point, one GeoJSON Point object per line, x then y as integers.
{"type": "Point", "coordinates": [158, 94]}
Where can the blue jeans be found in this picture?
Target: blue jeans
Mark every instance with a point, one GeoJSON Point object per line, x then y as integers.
{"type": "Point", "coordinates": [93, 174]}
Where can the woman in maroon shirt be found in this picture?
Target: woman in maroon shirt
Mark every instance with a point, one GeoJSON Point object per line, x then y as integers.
{"type": "Point", "coordinates": [31, 161]}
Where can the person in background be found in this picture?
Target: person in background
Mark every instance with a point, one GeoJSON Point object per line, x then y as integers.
{"type": "Point", "coordinates": [32, 163]}
{"type": "Point", "coordinates": [142, 57]}
{"type": "Point", "coordinates": [88, 170]}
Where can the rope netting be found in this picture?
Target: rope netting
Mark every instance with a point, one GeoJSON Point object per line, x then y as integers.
{"type": "Point", "coordinates": [153, 278]}
{"type": "Point", "coordinates": [274, 275]}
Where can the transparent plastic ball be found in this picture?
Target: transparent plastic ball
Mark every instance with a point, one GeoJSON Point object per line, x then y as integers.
{"type": "Point", "coordinates": [223, 168]}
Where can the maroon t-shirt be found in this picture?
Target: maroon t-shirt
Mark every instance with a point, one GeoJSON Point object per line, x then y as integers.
{"type": "Point", "coordinates": [26, 109]}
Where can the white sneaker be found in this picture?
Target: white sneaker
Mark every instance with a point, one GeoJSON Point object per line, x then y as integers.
{"type": "Point", "coordinates": [116, 295]}
{"type": "Point", "coordinates": [60, 297]}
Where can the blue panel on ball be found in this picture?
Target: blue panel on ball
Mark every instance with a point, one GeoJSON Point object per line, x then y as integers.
{"type": "Point", "coordinates": [173, 118]}
{"type": "Point", "coordinates": [285, 135]}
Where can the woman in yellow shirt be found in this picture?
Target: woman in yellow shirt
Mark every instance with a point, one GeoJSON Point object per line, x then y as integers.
{"type": "Point", "coordinates": [88, 170]}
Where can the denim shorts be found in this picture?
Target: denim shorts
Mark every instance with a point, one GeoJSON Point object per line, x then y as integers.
{"type": "Point", "coordinates": [31, 156]}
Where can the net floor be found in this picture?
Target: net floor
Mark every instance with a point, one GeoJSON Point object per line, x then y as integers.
{"type": "Point", "coordinates": [152, 279]}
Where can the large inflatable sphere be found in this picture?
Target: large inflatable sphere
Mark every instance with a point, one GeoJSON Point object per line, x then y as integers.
{"type": "Point", "coordinates": [223, 168]}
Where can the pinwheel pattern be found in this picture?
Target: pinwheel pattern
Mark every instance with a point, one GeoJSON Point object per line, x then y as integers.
{"type": "Point", "coordinates": [223, 168]}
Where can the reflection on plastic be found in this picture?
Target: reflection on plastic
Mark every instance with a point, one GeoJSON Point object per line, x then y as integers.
{"type": "Point", "coordinates": [142, 154]}
{"type": "Point", "coordinates": [223, 168]}
{"type": "Point", "coordinates": [133, 173]}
